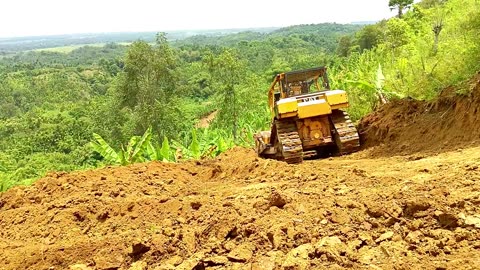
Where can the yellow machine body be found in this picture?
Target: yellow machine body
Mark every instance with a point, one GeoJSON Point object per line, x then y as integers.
{"type": "Point", "coordinates": [305, 120]}
{"type": "Point", "coordinates": [321, 104]}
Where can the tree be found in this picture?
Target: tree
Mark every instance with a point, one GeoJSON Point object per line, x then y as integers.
{"type": "Point", "coordinates": [400, 5]}
{"type": "Point", "coordinates": [370, 36]}
{"type": "Point", "coordinates": [147, 87]}
{"type": "Point", "coordinates": [397, 33]}
{"type": "Point", "coordinates": [436, 29]}
{"type": "Point", "coordinates": [227, 71]}
{"type": "Point", "coordinates": [344, 45]}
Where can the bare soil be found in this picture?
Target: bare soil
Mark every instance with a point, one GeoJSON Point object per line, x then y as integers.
{"type": "Point", "coordinates": [207, 120]}
{"type": "Point", "coordinates": [408, 126]}
{"type": "Point", "coordinates": [410, 200]}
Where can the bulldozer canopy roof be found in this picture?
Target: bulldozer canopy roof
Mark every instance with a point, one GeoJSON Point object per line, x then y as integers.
{"type": "Point", "coordinates": [304, 75]}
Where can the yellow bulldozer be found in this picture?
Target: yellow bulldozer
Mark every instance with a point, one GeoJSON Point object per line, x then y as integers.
{"type": "Point", "coordinates": [308, 119]}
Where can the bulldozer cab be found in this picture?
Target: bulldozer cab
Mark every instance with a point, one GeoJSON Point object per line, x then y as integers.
{"type": "Point", "coordinates": [298, 82]}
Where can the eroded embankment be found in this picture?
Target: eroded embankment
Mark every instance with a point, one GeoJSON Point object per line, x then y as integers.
{"type": "Point", "coordinates": [407, 126]}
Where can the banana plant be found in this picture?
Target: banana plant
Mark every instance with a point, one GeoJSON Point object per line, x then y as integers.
{"type": "Point", "coordinates": [157, 152]}
{"type": "Point", "coordinates": [137, 149]}
{"type": "Point", "coordinates": [165, 150]}
{"type": "Point", "coordinates": [205, 143]}
{"type": "Point", "coordinates": [104, 149]}
{"type": "Point", "coordinates": [195, 145]}
{"type": "Point", "coordinates": [190, 151]}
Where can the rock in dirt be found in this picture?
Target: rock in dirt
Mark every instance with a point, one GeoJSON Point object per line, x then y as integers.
{"type": "Point", "coordinates": [138, 248]}
{"type": "Point", "coordinates": [374, 209]}
{"type": "Point", "coordinates": [241, 253]}
{"type": "Point", "coordinates": [168, 231]}
{"type": "Point", "coordinates": [411, 207]}
{"type": "Point", "coordinates": [192, 263]}
{"type": "Point", "coordinates": [276, 237]}
{"type": "Point", "coordinates": [79, 267]}
{"type": "Point", "coordinates": [329, 241]}
{"type": "Point", "coordinates": [447, 220]}
{"type": "Point", "coordinates": [195, 205]}
{"type": "Point", "coordinates": [340, 216]}
{"type": "Point", "coordinates": [473, 221]}
{"type": "Point", "coordinates": [279, 234]}
{"type": "Point", "coordinates": [216, 261]}
{"type": "Point", "coordinates": [384, 236]}
{"type": "Point", "coordinates": [264, 263]}
{"type": "Point", "coordinates": [329, 249]}
{"type": "Point", "coordinates": [414, 237]}
{"type": "Point", "coordinates": [108, 262]}
{"type": "Point", "coordinates": [298, 258]}
{"type": "Point", "coordinates": [276, 199]}
{"type": "Point", "coordinates": [175, 260]}
{"type": "Point", "coordinates": [229, 231]}
{"type": "Point", "coordinates": [138, 265]}
{"type": "Point", "coordinates": [189, 239]}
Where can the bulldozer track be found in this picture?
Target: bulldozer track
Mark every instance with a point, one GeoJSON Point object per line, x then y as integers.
{"type": "Point", "coordinates": [310, 154]}
{"type": "Point", "coordinates": [289, 141]}
{"type": "Point", "coordinates": [345, 133]}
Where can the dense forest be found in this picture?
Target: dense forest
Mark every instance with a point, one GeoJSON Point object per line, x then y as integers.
{"type": "Point", "coordinates": [119, 104]}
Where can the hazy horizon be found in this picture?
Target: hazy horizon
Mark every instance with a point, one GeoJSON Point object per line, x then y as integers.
{"type": "Point", "coordinates": [54, 17]}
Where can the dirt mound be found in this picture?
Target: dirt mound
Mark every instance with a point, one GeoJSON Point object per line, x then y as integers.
{"type": "Point", "coordinates": [407, 126]}
{"type": "Point", "coordinates": [242, 212]}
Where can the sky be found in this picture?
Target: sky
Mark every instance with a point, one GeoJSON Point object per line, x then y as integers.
{"type": "Point", "coordinates": [52, 17]}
